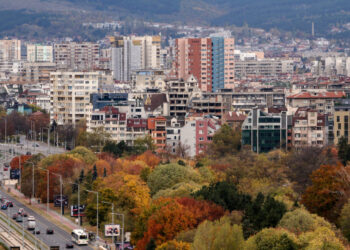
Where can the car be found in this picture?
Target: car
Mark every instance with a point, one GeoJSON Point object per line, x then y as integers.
{"type": "Point", "coordinates": [3, 207]}
{"type": "Point", "coordinates": [49, 231]}
{"type": "Point", "coordinates": [28, 153]}
{"type": "Point", "coordinates": [36, 232]}
{"type": "Point", "coordinates": [35, 145]}
{"type": "Point", "coordinates": [19, 218]}
{"type": "Point", "coordinates": [14, 216]}
{"type": "Point", "coordinates": [22, 212]}
{"type": "Point", "coordinates": [6, 168]}
{"type": "Point", "coordinates": [9, 203]}
{"type": "Point", "coordinates": [69, 245]}
{"type": "Point", "coordinates": [20, 144]}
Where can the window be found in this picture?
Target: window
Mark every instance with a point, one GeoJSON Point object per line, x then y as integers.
{"type": "Point", "coordinates": [339, 126]}
{"type": "Point", "coordinates": [338, 119]}
{"type": "Point", "coordinates": [346, 118]}
{"type": "Point", "coordinates": [200, 132]}
{"type": "Point", "coordinates": [201, 138]}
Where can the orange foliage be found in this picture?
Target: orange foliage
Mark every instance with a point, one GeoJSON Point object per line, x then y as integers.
{"type": "Point", "coordinates": [149, 158]}
{"type": "Point", "coordinates": [177, 215]}
{"type": "Point", "coordinates": [101, 165]}
{"type": "Point", "coordinates": [220, 167]}
{"type": "Point", "coordinates": [131, 167]}
{"type": "Point", "coordinates": [15, 161]}
{"type": "Point", "coordinates": [329, 191]}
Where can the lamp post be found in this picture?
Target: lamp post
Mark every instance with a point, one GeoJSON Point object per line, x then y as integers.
{"type": "Point", "coordinates": [111, 203]}
{"type": "Point", "coordinates": [61, 191]}
{"type": "Point", "coordinates": [47, 188]}
{"type": "Point", "coordinates": [32, 198]}
{"type": "Point", "coordinates": [79, 219]}
{"type": "Point", "coordinates": [122, 215]}
{"type": "Point", "coordinates": [95, 192]}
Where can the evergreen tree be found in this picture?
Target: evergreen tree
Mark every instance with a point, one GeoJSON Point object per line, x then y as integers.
{"type": "Point", "coordinates": [81, 176]}
{"type": "Point", "coordinates": [151, 245]}
{"type": "Point", "coordinates": [104, 172]}
{"type": "Point", "coordinates": [94, 173]}
{"type": "Point", "coordinates": [343, 150]}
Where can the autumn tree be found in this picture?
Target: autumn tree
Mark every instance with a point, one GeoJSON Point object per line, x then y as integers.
{"type": "Point", "coordinates": [226, 141]}
{"type": "Point", "coordinates": [343, 150]}
{"type": "Point", "coordinates": [329, 191]}
{"type": "Point", "coordinates": [143, 144]}
{"type": "Point", "coordinates": [174, 245]}
{"type": "Point", "coordinates": [19, 161]}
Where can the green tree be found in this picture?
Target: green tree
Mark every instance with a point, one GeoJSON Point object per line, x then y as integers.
{"type": "Point", "coordinates": [94, 173]}
{"type": "Point", "coordinates": [104, 172]}
{"type": "Point", "coordinates": [117, 149]}
{"type": "Point", "coordinates": [344, 220]}
{"type": "Point", "coordinates": [151, 245]}
{"type": "Point", "coordinates": [81, 176]}
{"type": "Point", "coordinates": [226, 141]}
{"type": "Point", "coordinates": [166, 176]}
{"type": "Point", "coordinates": [274, 239]}
{"type": "Point", "coordinates": [143, 144]}
{"type": "Point", "coordinates": [219, 235]}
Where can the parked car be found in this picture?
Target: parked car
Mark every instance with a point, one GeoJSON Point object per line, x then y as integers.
{"type": "Point", "coordinates": [35, 145]}
{"type": "Point", "coordinates": [3, 207]}
{"type": "Point", "coordinates": [49, 231]}
{"type": "Point", "coordinates": [14, 216]}
{"type": "Point", "coordinates": [36, 232]}
{"type": "Point", "coordinates": [28, 153]}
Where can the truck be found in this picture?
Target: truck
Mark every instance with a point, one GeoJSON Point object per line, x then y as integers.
{"type": "Point", "coordinates": [31, 223]}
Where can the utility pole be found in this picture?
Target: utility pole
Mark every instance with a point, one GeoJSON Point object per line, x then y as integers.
{"type": "Point", "coordinates": [112, 204]}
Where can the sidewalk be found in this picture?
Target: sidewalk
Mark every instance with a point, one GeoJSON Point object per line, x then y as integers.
{"type": "Point", "coordinates": [51, 215]}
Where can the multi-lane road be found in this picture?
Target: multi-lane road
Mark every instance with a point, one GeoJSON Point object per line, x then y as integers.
{"type": "Point", "coordinates": [59, 238]}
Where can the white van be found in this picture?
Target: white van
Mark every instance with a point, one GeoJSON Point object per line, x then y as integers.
{"type": "Point", "coordinates": [31, 223]}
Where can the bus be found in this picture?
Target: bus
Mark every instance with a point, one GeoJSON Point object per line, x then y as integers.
{"type": "Point", "coordinates": [79, 237]}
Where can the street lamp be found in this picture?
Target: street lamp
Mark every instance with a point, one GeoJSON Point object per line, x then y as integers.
{"type": "Point", "coordinates": [48, 137]}
{"type": "Point", "coordinates": [95, 192]}
{"type": "Point", "coordinates": [61, 186]}
{"type": "Point", "coordinates": [47, 189]}
{"type": "Point", "coordinates": [122, 215]}
{"type": "Point", "coordinates": [32, 198]}
{"type": "Point", "coordinates": [111, 203]}
{"type": "Point", "coordinates": [79, 217]}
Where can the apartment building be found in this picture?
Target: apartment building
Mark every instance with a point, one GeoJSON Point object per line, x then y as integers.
{"type": "Point", "coordinates": [39, 53]}
{"type": "Point", "coordinates": [38, 71]}
{"type": "Point", "coordinates": [341, 120]}
{"type": "Point", "coordinates": [10, 52]}
{"type": "Point", "coordinates": [173, 134]}
{"type": "Point", "coordinates": [148, 79]}
{"type": "Point", "coordinates": [198, 133]}
{"type": "Point", "coordinates": [157, 130]}
{"type": "Point", "coordinates": [136, 128]}
{"type": "Point", "coordinates": [70, 95]}
{"type": "Point", "coordinates": [77, 56]}
{"type": "Point", "coordinates": [264, 132]}
{"type": "Point", "coordinates": [309, 128]}
{"type": "Point", "coordinates": [180, 92]}
{"type": "Point", "coordinates": [264, 67]}
{"type": "Point", "coordinates": [322, 102]}
{"type": "Point", "coordinates": [210, 60]}
{"type": "Point", "coordinates": [110, 120]}
{"type": "Point", "coordinates": [134, 53]}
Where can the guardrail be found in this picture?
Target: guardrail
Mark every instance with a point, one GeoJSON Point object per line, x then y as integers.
{"type": "Point", "coordinates": [19, 230]}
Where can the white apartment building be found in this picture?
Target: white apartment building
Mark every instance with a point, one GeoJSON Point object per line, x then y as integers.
{"type": "Point", "coordinates": [10, 52]}
{"type": "Point", "coordinates": [265, 67]}
{"type": "Point", "coordinates": [39, 53]}
{"type": "Point", "coordinates": [77, 56]}
{"type": "Point", "coordinates": [134, 53]}
{"type": "Point", "coordinates": [70, 95]}
{"type": "Point", "coordinates": [148, 79]}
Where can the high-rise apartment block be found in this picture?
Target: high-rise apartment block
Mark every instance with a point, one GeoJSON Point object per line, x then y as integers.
{"type": "Point", "coordinates": [77, 56]}
{"type": "Point", "coordinates": [39, 53]}
{"type": "Point", "coordinates": [210, 60]}
{"type": "Point", "coordinates": [134, 53]}
{"type": "Point", "coordinates": [10, 52]}
{"type": "Point", "coordinates": [70, 95]}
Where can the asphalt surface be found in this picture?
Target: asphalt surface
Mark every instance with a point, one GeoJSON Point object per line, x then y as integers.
{"type": "Point", "coordinates": [59, 238]}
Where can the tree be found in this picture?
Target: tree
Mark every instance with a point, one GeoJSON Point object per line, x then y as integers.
{"type": "Point", "coordinates": [329, 191]}
{"type": "Point", "coordinates": [224, 194]}
{"type": "Point", "coordinates": [143, 144]}
{"type": "Point", "coordinates": [166, 176]}
{"type": "Point", "coordinates": [81, 176]}
{"type": "Point", "coordinates": [104, 172]}
{"type": "Point", "coordinates": [301, 221]}
{"type": "Point", "coordinates": [174, 245]}
{"type": "Point", "coordinates": [301, 164]}
{"type": "Point", "coordinates": [321, 238]}
{"type": "Point", "coordinates": [219, 235]}
{"type": "Point", "coordinates": [343, 150]}
{"type": "Point", "coordinates": [117, 149]}
{"type": "Point", "coordinates": [94, 173]}
{"type": "Point", "coordinates": [344, 220]}
{"type": "Point", "coordinates": [261, 213]}
{"type": "Point", "coordinates": [271, 238]}
{"type": "Point", "coordinates": [226, 141]}
{"type": "Point", "coordinates": [149, 158]}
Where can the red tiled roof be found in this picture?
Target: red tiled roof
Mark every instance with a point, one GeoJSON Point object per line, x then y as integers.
{"type": "Point", "coordinates": [321, 95]}
{"type": "Point", "coordinates": [234, 116]}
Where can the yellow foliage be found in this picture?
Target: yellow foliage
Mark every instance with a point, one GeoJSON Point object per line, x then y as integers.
{"type": "Point", "coordinates": [174, 245]}
{"type": "Point", "coordinates": [321, 238]}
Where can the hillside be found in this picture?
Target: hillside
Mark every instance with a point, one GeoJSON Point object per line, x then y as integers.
{"type": "Point", "coordinates": [288, 15]}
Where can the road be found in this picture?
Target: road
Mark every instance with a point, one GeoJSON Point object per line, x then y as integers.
{"type": "Point", "coordinates": [59, 238]}
{"type": "Point", "coordinates": [33, 147]}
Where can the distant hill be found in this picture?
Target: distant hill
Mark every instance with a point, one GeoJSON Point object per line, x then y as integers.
{"type": "Point", "coordinates": [288, 15]}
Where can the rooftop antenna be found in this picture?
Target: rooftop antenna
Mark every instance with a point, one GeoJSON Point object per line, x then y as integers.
{"type": "Point", "coordinates": [313, 29]}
